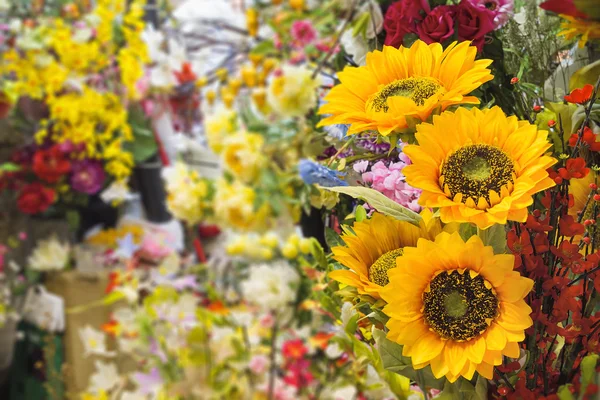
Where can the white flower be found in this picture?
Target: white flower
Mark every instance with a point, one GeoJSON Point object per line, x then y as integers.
{"type": "Point", "coordinates": [333, 351]}
{"type": "Point", "coordinates": [117, 192]}
{"type": "Point", "coordinates": [105, 378]}
{"type": "Point", "coordinates": [154, 39]}
{"type": "Point", "coordinates": [356, 46]}
{"type": "Point", "coordinates": [294, 92]}
{"type": "Point", "coordinates": [93, 341]}
{"type": "Point", "coordinates": [271, 286]}
{"type": "Point", "coordinates": [344, 393]}
{"type": "Point", "coordinates": [50, 255]}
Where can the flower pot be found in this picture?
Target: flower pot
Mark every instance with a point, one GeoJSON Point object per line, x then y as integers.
{"type": "Point", "coordinates": [150, 185]}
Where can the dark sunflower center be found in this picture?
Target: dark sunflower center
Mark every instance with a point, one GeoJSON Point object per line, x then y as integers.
{"type": "Point", "coordinates": [378, 271]}
{"type": "Point", "coordinates": [459, 307]}
{"type": "Point", "coordinates": [474, 171]}
{"type": "Point", "coordinates": [416, 89]}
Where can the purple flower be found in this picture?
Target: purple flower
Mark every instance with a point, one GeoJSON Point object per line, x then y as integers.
{"type": "Point", "coordinates": [149, 383]}
{"type": "Point", "coordinates": [88, 176]}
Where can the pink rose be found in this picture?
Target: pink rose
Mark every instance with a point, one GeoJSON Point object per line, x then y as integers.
{"type": "Point", "coordinates": [401, 18]}
{"type": "Point", "coordinates": [473, 24]}
{"type": "Point", "coordinates": [438, 25]}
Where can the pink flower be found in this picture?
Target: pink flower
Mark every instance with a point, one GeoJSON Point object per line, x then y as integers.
{"type": "Point", "coordinates": [401, 18]}
{"type": "Point", "coordinates": [259, 364]}
{"type": "Point", "coordinates": [473, 23]}
{"type": "Point", "coordinates": [267, 321]}
{"type": "Point", "coordinates": [390, 181]}
{"type": "Point", "coordinates": [303, 33]}
{"type": "Point", "coordinates": [499, 10]}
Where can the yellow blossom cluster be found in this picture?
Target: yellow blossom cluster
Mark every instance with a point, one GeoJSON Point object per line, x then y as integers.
{"type": "Point", "coordinates": [189, 195]}
{"type": "Point", "coordinates": [72, 71]}
{"type": "Point", "coordinates": [264, 247]}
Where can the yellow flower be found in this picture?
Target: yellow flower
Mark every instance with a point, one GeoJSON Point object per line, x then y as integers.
{"type": "Point", "coordinates": [398, 86]}
{"type": "Point", "coordinates": [456, 306]}
{"type": "Point", "coordinates": [218, 127]}
{"type": "Point", "coordinates": [252, 21]}
{"type": "Point", "coordinates": [294, 92]}
{"type": "Point", "coordinates": [242, 155]}
{"type": "Point", "coordinates": [188, 195]}
{"type": "Point", "coordinates": [372, 247]}
{"type": "Point", "coordinates": [584, 29]}
{"type": "Point", "coordinates": [234, 206]}
{"type": "Point", "coordinates": [325, 198]}
{"type": "Point", "coordinates": [479, 166]}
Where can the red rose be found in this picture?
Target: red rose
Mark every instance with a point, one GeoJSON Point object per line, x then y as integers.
{"type": "Point", "coordinates": [35, 198]}
{"type": "Point", "coordinates": [51, 164]}
{"type": "Point", "coordinates": [401, 18]}
{"type": "Point", "coordinates": [473, 24]}
{"type": "Point", "coordinates": [438, 25]}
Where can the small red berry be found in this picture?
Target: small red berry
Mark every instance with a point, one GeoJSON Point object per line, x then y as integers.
{"type": "Point", "coordinates": [597, 197]}
{"type": "Point", "coordinates": [502, 390]}
{"type": "Point", "coordinates": [537, 213]}
{"type": "Point", "coordinates": [551, 123]}
{"type": "Point", "coordinates": [586, 240]}
{"type": "Point", "coordinates": [593, 186]}
{"type": "Point", "coordinates": [537, 108]}
{"type": "Point", "coordinates": [587, 222]}
{"type": "Point", "coordinates": [558, 180]}
{"type": "Point", "coordinates": [514, 81]}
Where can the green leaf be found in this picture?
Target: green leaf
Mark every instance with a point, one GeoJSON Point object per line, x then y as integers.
{"type": "Point", "coordinates": [466, 231]}
{"type": "Point", "coordinates": [588, 371]}
{"type": "Point", "coordinates": [113, 297]}
{"type": "Point", "coordinates": [264, 48]}
{"type": "Point", "coordinates": [379, 202]}
{"type": "Point", "coordinates": [332, 238]}
{"type": "Point", "coordinates": [586, 75]}
{"type": "Point", "coordinates": [352, 324]}
{"type": "Point", "coordinates": [318, 253]}
{"type": "Point", "coordinates": [361, 24]}
{"type": "Point", "coordinates": [360, 214]}
{"type": "Point", "coordinates": [494, 236]}
{"type": "Point", "coordinates": [9, 167]}
{"type": "Point", "coordinates": [564, 393]}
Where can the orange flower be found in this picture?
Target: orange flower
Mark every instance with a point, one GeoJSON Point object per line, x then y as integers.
{"type": "Point", "coordinates": [580, 96]}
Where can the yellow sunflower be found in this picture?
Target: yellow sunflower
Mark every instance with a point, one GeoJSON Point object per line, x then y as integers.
{"type": "Point", "coordinates": [399, 84]}
{"type": "Point", "coordinates": [479, 166]}
{"type": "Point", "coordinates": [372, 247]}
{"type": "Point", "coordinates": [456, 306]}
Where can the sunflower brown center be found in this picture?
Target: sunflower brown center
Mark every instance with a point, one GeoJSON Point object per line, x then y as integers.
{"type": "Point", "coordinates": [459, 306]}
{"type": "Point", "coordinates": [378, 271]}
{"type": "Point", "coordinates": [474, 171]}
{"type": "Point", "coordinates": [416, 89]}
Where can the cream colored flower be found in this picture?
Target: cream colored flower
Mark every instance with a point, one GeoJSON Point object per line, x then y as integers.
{"type": "Point", "coordinates": [219, 126]}
{"type": "Point", "coordinates": [294, 92]}
{"type": "Point", "coordinates": [50, 255]}
{"type": "Point", "coordinates": [187, 193]}
{"type": "Point", "coordinates": [242, 155]}
{"type": "Point", "coordinates": [234, 207]}
{"type": "Point", "coordinates": [271, 286]}
{"type": "Point", "coordinates": [105, 378]}
{"type": "Point", "coordinates": [94, 341]}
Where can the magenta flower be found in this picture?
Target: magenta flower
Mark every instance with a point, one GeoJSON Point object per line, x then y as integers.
{"type": "Point", "coordinates": [303, 33]}
{"type": "Point", "coordinates": [88, 176]}
{"type": "Point", "coordinates": [499, 10]}
{"type": "Point", "coordinates": [390, 181]}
